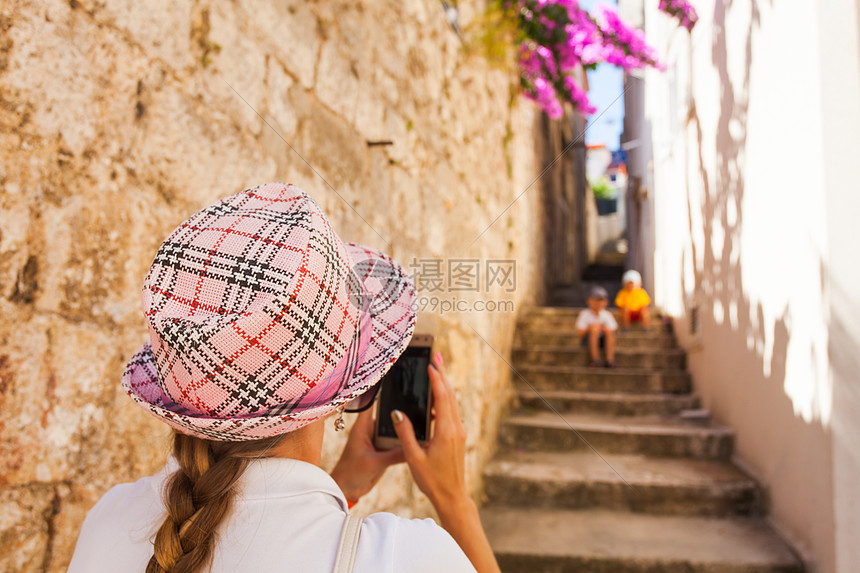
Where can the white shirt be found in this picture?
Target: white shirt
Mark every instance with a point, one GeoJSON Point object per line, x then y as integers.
{"type": "Point", "coordinates": [287, 517]}
{"type": "Point", "coordinates": [588, 317]}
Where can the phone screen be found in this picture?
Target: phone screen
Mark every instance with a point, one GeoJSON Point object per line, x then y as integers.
{"type": "Point", "coordinates": [406, 387]}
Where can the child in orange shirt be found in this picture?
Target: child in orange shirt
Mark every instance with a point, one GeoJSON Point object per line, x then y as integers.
{"type": "Point", "coordinates": [633, 301]}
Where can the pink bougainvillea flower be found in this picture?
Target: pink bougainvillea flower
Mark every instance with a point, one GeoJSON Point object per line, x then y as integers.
{"type": "Point", "coordinates": [682, 10]}
{"type": "Point", "coordinates": [559, 38]}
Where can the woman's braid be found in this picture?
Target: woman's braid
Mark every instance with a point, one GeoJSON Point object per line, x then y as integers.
{"type": "Point", "coordinates": [198, 497]}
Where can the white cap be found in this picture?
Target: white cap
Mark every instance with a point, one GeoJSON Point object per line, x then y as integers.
{"type": "Point", "coordinates": [632, 276]}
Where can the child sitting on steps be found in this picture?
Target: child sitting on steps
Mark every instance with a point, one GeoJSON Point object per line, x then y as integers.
{"type": "Point", "coordinates": [596, 328]}
{"type": "Point", "coordinates": [633, 301]}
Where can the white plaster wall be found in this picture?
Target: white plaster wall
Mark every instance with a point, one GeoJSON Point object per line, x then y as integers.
{"type": "Point", "coordinates": [755, 144]}
{"type": "Point", "coordinates": [840, 80]}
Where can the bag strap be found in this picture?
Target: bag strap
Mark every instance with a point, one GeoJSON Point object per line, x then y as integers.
{"type": "Point", "coordinates": [348, 544]}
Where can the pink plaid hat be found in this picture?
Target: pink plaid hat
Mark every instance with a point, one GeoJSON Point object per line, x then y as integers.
{"type": "Point", "coordinates": [261, 320]}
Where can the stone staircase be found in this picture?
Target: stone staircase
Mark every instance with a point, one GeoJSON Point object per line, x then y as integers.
{"type": "Point", "coordinates": [671, 500]}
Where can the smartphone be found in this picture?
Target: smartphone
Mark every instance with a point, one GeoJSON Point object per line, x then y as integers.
{"type": "Point", "coordinates": [406, 387]}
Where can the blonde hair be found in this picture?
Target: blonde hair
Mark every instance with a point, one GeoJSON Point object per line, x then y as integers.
{"type": "Point", "coordinates": [198, 496]}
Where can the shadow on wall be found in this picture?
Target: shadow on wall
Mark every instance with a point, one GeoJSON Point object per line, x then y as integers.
{"type": "Point", "coordinates": [753, 341]}
{"type": "Point", "coordinates": [764, 372]}
{"type": "Point", "coordinates": [714, 264]}
{"type": "Point", "coordinates": [719, 279]}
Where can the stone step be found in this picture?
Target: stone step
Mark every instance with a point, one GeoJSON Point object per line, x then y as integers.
{"type": "Point", "coordinates": [646, 435]}
{"type": "Point", "coordinates": [598, 541]}
{"type": "Point", "coordinates": [570, 311]}
{"type": "Point", "coordinates": [610, 404]}
{"type": "Point", "coordinates": [698, 416]}
{"type": "Point", "coordinates": [567, 313]}
{"type": "Point", "coordinates": [579, 480]}
{"type": "Point", "coordinates": [578, 356]}
{"type": "Point", "coordinates": [567, 338]}
{"type": "Point", "coordinates": [568, 324]}
{"type": "Point", "coordinates": [603, 379]}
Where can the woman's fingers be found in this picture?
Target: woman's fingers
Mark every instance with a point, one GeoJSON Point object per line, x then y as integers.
{"type": "Point", "coordinates": [452, 396]}
{"type": "Point", "coordinates": [444, 397]}
{"type": "Point", "coordinates": [438, 468]}
{"type": "Point", "coordinates": [412, 450]}
{"type": "Point", "coordinates": [442, 391]}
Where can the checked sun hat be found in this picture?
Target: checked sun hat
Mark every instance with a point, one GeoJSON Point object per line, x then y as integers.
{"type": "Point", "coordinates": [262, 320]}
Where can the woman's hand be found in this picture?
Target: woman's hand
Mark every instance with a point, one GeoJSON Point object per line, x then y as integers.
{"type": "Point", "coordinates": [439, 468]}
{"type": "Point", "coordinates": [439, 471]}
{"type": "Point", "coordinates": [361, 465]}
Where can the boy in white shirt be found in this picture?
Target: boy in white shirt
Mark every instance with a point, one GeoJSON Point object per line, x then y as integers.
{"type": "Point", "coordinates": [596, 328]}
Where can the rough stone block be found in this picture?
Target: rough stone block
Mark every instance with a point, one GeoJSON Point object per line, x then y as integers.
{"type": "Point", "coordinates": [25, 513]}
{"type": "Point", "coordinates": [163, 29]}
{"type": "Point", "coordinates": [290, 31]}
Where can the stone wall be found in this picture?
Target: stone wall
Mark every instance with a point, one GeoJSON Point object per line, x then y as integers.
{"type": "Point", "coordinates": [118, 119]}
